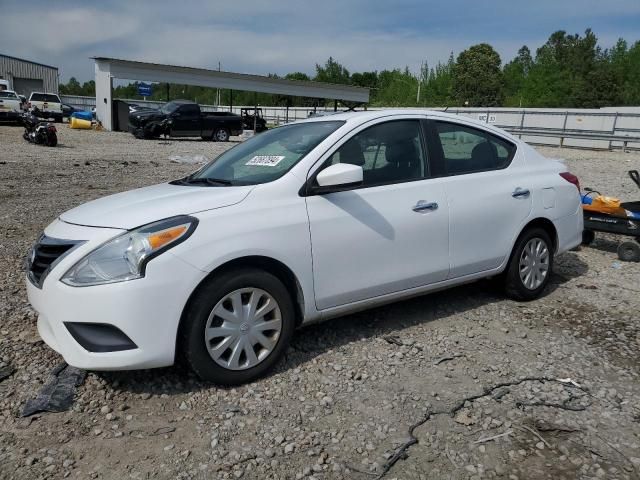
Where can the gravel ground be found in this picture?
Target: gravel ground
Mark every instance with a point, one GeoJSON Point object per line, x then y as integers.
{"type": "Point", "coordinates": [457, 384]}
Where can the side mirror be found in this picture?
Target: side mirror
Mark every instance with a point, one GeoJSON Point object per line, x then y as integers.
{"type": "Point", "coordinates": [338, 177]}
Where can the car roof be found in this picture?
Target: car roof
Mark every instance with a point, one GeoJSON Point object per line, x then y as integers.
{"type": "Point", "coordinates": [45, 93]}
{"type": "Point", "coordinates": [359, 117]}
{"type": "Point", "coordinates": [10, 91]}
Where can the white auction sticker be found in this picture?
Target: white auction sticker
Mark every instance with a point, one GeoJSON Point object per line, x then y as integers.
{"type": "Point", "coordinates": [266, 160]}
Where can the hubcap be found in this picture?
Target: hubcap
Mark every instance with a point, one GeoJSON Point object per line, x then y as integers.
{"type": "Point", "coordinates": [534, 263]}
{"type": "Point", "coordinates": [243, 328]}
{"type": "Point", "coordinates": [221, 135]}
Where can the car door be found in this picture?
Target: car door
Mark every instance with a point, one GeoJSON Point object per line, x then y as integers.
{"type": "Point", "coordinates": [186, 121]}
{"type": "Point", "coordinates": [487, 187]}
{"type": "Point", "coordinates": [388, 234]}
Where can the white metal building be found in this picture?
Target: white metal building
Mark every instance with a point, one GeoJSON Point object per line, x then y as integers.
{"type": "Point", "coordinates": [25, 76]}
{"type": "Point", "coordinates": [109, 68]}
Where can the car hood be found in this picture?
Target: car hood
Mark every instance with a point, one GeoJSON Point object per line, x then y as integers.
{"type": "Point", "coordinates": [142, 117]}
{"type": "Point", "coordinates": [138, 207]}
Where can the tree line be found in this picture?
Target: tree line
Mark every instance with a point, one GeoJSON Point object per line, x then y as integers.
{"type": "Point", "coordinates": [568, 71]}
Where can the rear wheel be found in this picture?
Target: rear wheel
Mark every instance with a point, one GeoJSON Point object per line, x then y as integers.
{"type": "Point", "coordinates": [530, 265]}
{"type": "Point", "coordinates": [237, 326]}
{"type": "Point", "coordinates": [629, 252]}
{"type": "Point", "coordinates": [221, 135]}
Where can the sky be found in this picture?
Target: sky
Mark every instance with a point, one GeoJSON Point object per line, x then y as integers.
{"type": "Point", "coordinates": [281, 36]}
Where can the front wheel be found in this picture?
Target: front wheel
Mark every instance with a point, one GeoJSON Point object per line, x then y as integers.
{"type": "Point", "coordinates": [237, 325]}
{"type": "Point", "coordinates": [221, 135]}
{"type": "Point", "coordinates": [52, 140]}
{"type": "Point", "coordinates": [530, 265]}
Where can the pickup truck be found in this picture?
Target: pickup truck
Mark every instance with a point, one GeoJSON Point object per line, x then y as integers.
{"type": "Point", "coordinates": [48, 105]}
{"type": "Point", "coordinates": [10, 106]}
{"type": "Point", "coordinates": [182, 118]}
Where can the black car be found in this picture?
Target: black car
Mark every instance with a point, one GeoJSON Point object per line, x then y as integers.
{"type": "Point", "coordinates": [183, 118]}
{"type": "Point", "coordinates": [67, 110]}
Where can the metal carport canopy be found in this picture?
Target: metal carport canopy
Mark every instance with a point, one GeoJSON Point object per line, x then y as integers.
{"type": "Point", "coordinates": [108, 68]}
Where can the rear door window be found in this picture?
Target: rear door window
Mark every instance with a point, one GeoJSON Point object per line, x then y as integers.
{"type": "Point", "coordinates": [466, 149]}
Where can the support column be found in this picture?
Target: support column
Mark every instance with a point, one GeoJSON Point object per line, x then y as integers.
{"type": "Point", "coordinates": [104, 94]}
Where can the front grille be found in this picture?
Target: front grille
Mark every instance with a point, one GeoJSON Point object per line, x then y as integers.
{"type": "Point", "coordinates": [44, 255]}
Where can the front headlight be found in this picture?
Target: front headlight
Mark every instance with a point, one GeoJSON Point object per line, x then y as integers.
{"type": "Point", "coordinates": [126, 256]}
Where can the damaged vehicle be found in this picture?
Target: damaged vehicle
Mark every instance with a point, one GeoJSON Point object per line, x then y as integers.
{"type": "Point", "coordinates": [302, 223]}
{"type": "Point", "coordinates": [183, 118]}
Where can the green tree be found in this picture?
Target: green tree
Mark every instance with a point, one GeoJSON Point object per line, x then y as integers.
{"type": "Point", "coordinates": [332, 72]}
{"type": "Point", "coordinates": [439, 85]}
{"type": "Point", "coordinates": [297, 76]}
{"type": "Point", "coordinates": [72, 87]}
{"type": "Point", "coordinates": [478, 78]}
{"type": "Point", "coordinates": [515, 75]}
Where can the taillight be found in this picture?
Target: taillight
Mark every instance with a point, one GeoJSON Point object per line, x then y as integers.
{"type": "Point", "coordinates": [52, 128]}
{"type": "Point", "coordinates": [571, 178]}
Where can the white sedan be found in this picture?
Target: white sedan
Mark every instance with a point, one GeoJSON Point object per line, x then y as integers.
{"type": "Point", "coordinates": [305, 222]}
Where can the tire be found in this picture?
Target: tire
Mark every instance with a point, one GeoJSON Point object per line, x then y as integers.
{"type": "Point", "coordinates": [213, 296]}
{"type": "Point", "coordinates": [220, 135]}
{"type": "Point", "coordinates": [629, 252]}
{"type": "Point", "coordinates": [588, 236]}
{"type": "Point", "coordinates": [52, 140]}
{"type": "Point", "coordinates": [515, 286]}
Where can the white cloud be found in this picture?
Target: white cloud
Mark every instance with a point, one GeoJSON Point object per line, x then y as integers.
{"type": "Point", "coordinates": [258, 36]}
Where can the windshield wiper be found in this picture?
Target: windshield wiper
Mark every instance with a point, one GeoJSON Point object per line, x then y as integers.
{"type": "Point", "coordinates": [207, 181]}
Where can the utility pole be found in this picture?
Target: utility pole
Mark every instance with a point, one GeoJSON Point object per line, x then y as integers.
{"type": "Point", "coordinates": [419, 82]}
{"type": "Point", "coordinates": [218, 93]}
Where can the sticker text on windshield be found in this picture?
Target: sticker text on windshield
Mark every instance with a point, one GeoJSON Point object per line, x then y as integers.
{"type": "Point", "coordinates": [266, 160]}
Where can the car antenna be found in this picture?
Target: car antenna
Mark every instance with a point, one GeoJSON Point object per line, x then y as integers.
{"type": "Point", "coordinates": [446, 108]}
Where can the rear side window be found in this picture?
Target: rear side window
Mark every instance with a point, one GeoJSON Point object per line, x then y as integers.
{"type": "Point", "coordinates": [44, 97]}
{"type": "Point", "coordinates": [466, 149]}
{"type": "Point", "coordinates": [11, 95]}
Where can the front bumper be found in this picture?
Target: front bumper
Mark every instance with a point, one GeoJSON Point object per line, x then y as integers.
{"type": "Point", "coordinates": [146, 310]}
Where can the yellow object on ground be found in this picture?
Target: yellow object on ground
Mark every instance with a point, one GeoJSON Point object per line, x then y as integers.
{"type": "Point", "coordinates": [79, 123]}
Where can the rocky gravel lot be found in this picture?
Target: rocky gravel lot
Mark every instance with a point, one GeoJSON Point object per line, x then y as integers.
{"type": "Point", "coordinates": [454, 385]}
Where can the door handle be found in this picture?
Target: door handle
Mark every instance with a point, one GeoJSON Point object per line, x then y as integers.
{"type": "Point", "coordinates": [521, 193]}
{"type": "Point", "coordinates": [422, 206]}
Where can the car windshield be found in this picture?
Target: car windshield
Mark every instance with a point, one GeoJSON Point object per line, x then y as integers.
{"type": "Point", "coordinates": [44, 97]}
{"type": "Point", "coordinates": [267, 156]}
{"type": "Point", "coordinates": [170, 107]}
{"type": "Point", "coordinates": [6, 94]}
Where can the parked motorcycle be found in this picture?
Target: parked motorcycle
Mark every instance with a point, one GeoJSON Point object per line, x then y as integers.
{"type": "Point", "coordinates": [38, 132]}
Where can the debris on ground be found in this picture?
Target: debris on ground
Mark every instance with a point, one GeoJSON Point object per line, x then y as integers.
{"type": "Point", "coordinates": [58, 393]}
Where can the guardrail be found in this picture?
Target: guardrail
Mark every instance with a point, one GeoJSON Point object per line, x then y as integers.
{"type": "Point", "coordinates": [624, 140]}
{"type": "Point", "coordinates": [576, 128]}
